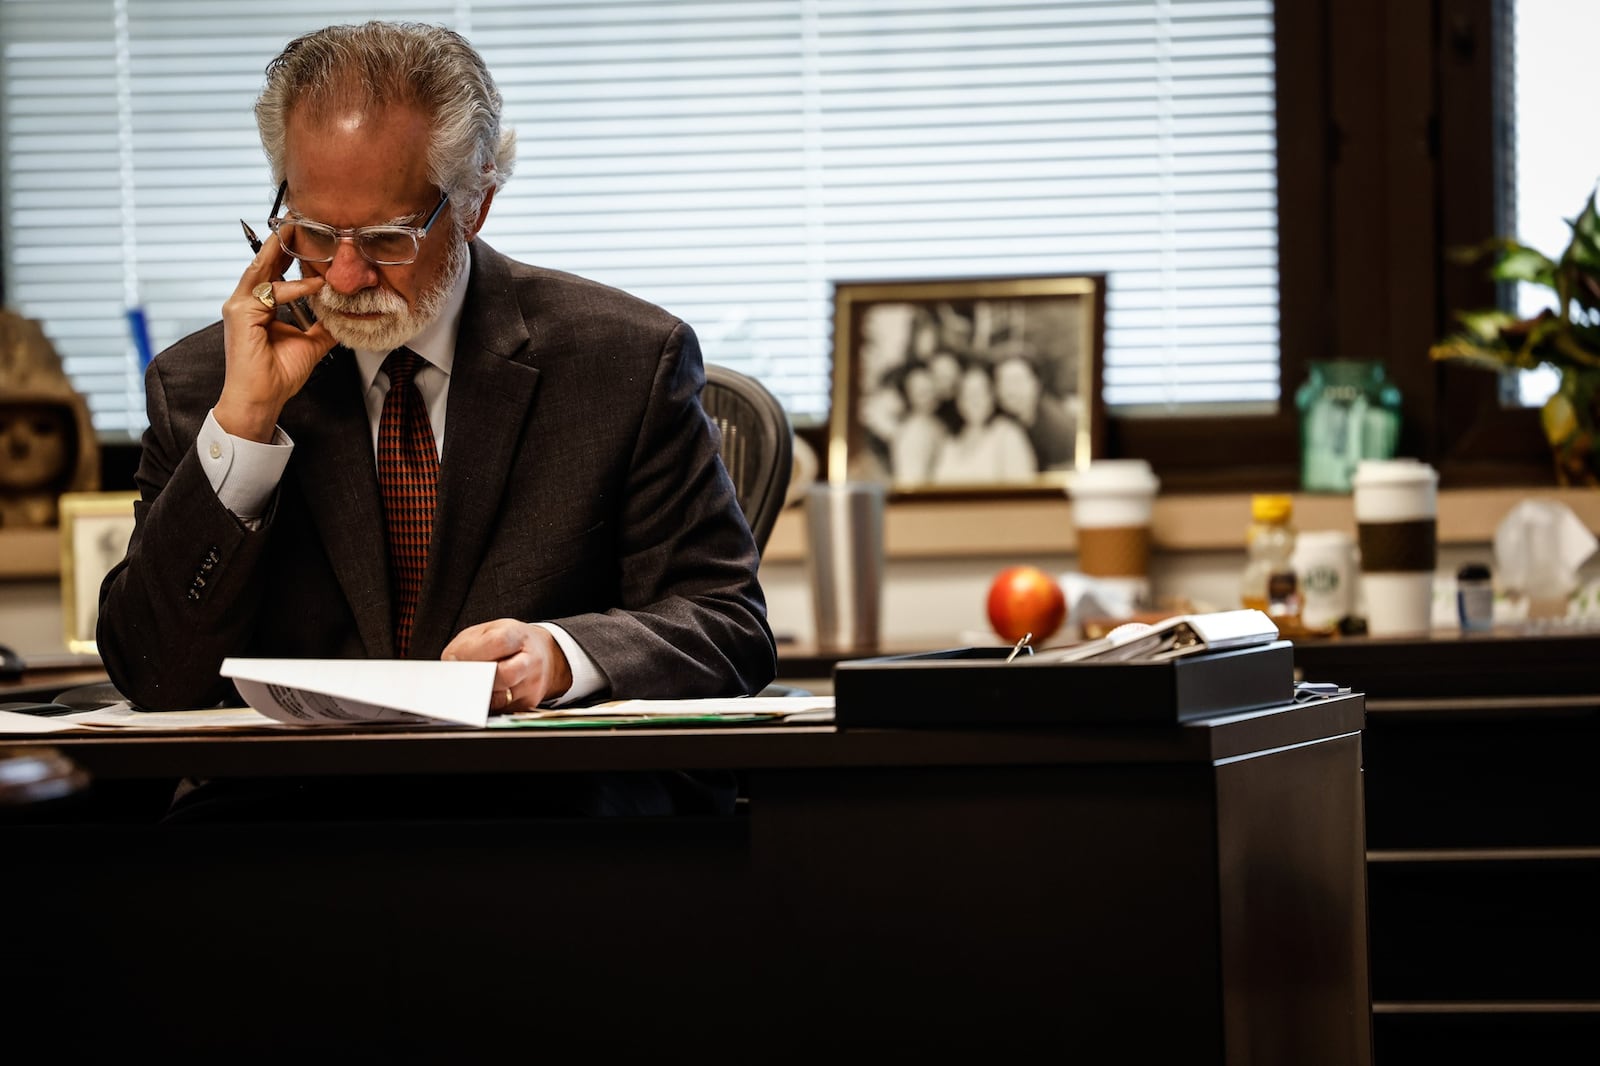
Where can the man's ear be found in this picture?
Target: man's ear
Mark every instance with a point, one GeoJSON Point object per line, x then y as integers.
{"type": "Point", "coordinates": [483, 213]}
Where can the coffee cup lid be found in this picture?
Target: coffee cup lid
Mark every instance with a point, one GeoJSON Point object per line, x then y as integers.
{"type": "Point", "coordinates": [1375, 472]}
{"type": "Point", "coordinates": [1114, 475]}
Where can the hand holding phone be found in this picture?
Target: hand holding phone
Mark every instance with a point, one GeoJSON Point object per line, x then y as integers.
{"type": "Point", "coordinates": [268, 358]}
{"type": "Point", "coordinates": [300, 309]}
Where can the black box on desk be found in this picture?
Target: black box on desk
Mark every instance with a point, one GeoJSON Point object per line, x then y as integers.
{"type": "Point", "coordinates": [964, 687]}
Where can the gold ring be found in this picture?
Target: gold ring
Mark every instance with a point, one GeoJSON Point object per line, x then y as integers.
{"type": "Point", "coordinates": [263, 292]}
{"type": "Point", "coordinates": [509, 698]}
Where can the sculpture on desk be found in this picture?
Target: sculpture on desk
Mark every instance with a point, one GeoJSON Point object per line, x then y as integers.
{"type": "Point", "coordinates": [47, 442]}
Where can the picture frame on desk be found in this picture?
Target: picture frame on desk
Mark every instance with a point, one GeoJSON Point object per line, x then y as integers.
{"type": "Point", "coordinates": [967, 386]}
{"type": "Point", "coordinates": [95, 529]}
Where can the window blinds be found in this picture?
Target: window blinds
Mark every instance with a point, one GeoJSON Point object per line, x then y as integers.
{"type": "Point", "coordinates": [729, 160]}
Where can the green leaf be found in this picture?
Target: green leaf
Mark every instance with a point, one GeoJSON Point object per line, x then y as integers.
{"type": "Point", "coordinates": [1486, 325]}
{"type": "Point", "coordinates": [1466, 255]}
{"type": "Point", "coordinates": [1520, 263]}
{"type": "Point", "coordinates": [1580, 262]}
{"type": "Point", "coordinates": [1567, 338]}
{"type": "Point", "coordinates": [1585, 246]}
{"type": "Point", "coordinates": [1460, 349]}
{"type": "Point", "coordinates": [1570, 343]}
{"type": "Point", "coordinates": [1559, 419]}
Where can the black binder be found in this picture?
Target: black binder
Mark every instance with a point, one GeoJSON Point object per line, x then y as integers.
{"type": "Point", "coordinates": [976, 687]}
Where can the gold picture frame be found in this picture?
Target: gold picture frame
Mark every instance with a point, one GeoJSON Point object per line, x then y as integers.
{"type": "Point", "coordinates": [95, 528]}
{"type": "Point", "coordinates": [967, 386]}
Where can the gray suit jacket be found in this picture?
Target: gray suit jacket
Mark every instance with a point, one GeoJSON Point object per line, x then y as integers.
{"type": "Point", "coordinates": [580, 484]}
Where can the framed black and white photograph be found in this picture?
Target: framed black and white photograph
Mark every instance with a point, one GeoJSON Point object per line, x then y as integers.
{"type": "Point", "coordinates": [967, 386]}
{"type": "Point", "coordinates": [95, 528]}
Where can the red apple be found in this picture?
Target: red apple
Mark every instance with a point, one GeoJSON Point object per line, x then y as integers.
{"type": "Point", "coordinates": [1025, 599]}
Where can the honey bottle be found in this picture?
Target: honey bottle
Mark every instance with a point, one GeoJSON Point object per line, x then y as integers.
{"type": "Point", "coordinates": [1269, 583]}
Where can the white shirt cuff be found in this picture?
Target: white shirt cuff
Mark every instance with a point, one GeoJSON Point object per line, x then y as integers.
{"type": "Point", "coordinates": [243, 473]}
{"type": "Point", "coordinates": [586, 676]}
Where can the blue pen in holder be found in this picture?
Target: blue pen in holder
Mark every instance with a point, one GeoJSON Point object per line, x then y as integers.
{"type": "Point", "coordinates": [140, 331]}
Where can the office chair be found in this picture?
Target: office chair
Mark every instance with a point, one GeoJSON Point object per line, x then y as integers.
{"type": "Point", "coordinates": [757, 444]}
{"type": "Point", "coordinates": [758, 450]}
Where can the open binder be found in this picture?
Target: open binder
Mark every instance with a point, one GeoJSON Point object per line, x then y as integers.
{"type": "Point", "coordinates": [1185, 634]}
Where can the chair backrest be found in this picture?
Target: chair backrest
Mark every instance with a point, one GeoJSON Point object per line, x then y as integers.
{"type": "Point", "coordinates": [757, 444]}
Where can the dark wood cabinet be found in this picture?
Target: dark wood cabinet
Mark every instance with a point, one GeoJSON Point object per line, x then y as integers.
{"type": "Point", "coordinates": [1482, 779]}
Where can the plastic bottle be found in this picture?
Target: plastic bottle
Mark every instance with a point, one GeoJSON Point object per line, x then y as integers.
{"type": "Point", "coordinates": [1269, 582]}
{"type": "Point", "coordinates": [1475, 597]}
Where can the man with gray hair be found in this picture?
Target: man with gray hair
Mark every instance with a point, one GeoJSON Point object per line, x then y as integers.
{"type": "Point", "coordinates": [462, 456]}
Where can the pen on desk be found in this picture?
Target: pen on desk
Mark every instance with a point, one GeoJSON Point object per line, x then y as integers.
{"type": "Point", "coordinates": [297, 308]}
{"type": "Point", "coordinates": [1017, 648]}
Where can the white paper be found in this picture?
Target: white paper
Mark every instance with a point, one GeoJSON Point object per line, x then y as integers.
{"type": "Point", "coordinates": [347, 691]}
{"type": "Point", "coordinates": [738, 706]}
{"type": "Point", "coordinates": [123, 715]}
{"type": "Point", "coordinates": [14, 722]}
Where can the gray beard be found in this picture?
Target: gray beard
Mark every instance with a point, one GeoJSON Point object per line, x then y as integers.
{"type": "Point", "coordinates": [400, 321]}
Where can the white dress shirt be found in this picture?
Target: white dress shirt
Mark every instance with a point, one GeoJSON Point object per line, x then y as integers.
{"type": "Point", "coordinates": [245, 473]}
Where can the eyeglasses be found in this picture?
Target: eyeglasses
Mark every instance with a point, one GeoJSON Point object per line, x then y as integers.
{"type": "Point", "coordinates": [313, 242]}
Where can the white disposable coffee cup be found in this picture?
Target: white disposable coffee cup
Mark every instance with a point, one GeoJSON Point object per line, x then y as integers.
{"type": "Point", "coordinates": [1112, 502]}
{"type": "Point", "coordinates": [1325, 563]}
{"type": "Point", "coordinates": [1396, 507]}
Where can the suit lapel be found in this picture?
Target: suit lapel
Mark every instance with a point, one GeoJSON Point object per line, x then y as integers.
{"type": "Point", "coordinates": [333, 466]}
{"type": "Point", "coordinates": [491, 396]}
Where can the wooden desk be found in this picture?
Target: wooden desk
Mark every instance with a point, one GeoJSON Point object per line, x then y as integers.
{"type": "Point", "coordinates": [48, 674]}
{"type": "Point", "coordinates": [1184, 894]}
{"type": "Point", "coordinates": [46, 684]}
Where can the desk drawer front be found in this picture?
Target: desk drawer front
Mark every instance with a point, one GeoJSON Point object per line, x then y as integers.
{"type": "Point", "coordinates": [1472, 931]}
{"type": "Point", "coordinates": [1506, 781]}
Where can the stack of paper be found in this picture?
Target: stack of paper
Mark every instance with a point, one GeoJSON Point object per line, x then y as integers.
{"type": "Point", "coordinates": [310, 691]}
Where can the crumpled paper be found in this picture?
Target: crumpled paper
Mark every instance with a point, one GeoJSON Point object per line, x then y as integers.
{"type": "Point", "coordinates": [1089, 597]}
{"type": "Point", "coordinates": [1539, 546]}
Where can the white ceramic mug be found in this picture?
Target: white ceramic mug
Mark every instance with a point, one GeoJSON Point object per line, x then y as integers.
{"type": "Point", "coordinates": [1325, 562]}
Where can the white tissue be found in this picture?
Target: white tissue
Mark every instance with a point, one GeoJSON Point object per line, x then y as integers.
{"type": "Point", "coordinates": [1539, 546]}
{"type": "Point", "coordinates": [1089, 597]}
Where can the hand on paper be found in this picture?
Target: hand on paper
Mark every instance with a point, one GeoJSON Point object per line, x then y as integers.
{"type": "Point", "coordinates": [529, 665]}
{"type": "Point", "coordinates": [268, 359]}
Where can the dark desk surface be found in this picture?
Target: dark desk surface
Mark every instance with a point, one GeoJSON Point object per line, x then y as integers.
{"type": "Point", "coordinates": [43, 684]}
{"type": "Point", "coordinates": [1530, 659]}
{"type": "Point", "coordinates": [382, 750]}
{"type": "Point", "coordinates": [803, 660]}
{"type": "Point", "coordinates": [1524, 661]}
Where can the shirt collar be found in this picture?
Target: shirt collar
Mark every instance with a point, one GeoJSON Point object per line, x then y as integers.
{"type": "Point", "coordinates": [437, 341]}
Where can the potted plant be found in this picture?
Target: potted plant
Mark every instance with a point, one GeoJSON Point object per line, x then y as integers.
{"type": "Point", "coordinates": [1566, 338]}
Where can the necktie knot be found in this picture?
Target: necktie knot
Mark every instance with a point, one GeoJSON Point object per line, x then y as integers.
{"type": "Point", "coordinates": [401, 366]}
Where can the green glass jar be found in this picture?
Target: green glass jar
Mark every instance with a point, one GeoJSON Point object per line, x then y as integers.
{"type": "Point", "coordinates": [1349, 411]}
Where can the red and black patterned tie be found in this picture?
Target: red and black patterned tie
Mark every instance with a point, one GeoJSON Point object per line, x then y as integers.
{"type": "Point", "coordinates": [408, 475]}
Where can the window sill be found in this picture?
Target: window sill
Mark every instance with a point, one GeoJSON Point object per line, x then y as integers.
{"type": "Point", "coordinates": [954, 529]}
{"type": "Point", "coordinates": [928, 529]}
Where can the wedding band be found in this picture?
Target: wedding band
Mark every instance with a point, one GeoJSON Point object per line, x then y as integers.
{"type": "Point", "coordinates": [509, 698]}
{"type": "Point", "coordinates": [263, 292]}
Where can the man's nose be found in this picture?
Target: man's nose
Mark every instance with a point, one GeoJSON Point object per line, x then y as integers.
{"type": "Point", "coordinates": [349, 273]}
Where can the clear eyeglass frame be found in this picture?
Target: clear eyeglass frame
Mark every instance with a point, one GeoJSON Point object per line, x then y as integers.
{"type": "Point", "coordinates": [365, 238]}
